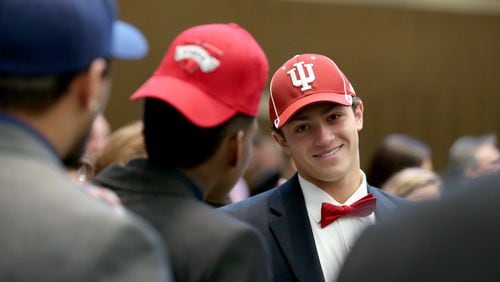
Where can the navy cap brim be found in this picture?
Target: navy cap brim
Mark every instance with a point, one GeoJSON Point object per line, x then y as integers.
{"type": "Point", "coordinates": [128, 42]}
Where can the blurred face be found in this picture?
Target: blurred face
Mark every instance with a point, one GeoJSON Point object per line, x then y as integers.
{"type": "Point", "coordinates": [231, 176]}
{"type": "Point", "coordinates": [322, 139]}
{"type": "Point", "coordinates": [488, 159]}
{"type": "Point", "coordinates": [96, 89]}
{"type": "Point", "coordinates": [266, 157]}
{"type": "Point", "coordinates": [73, 157]}
{"type": "Point", "coordinates": [247, 141]}
{"type": "Point", "coordinates": [98, 138]}
{"type": "Point", "coordinates": [427, 192]}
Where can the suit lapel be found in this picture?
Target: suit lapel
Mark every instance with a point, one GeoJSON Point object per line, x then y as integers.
{"type": "Point", "coordinates": [292, 231]}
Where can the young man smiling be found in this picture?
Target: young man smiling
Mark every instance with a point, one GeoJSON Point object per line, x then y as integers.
{"type": "Point", "coordinates": [311, 221]}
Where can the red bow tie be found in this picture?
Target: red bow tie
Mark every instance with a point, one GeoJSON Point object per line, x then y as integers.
{"type": "Point", "coordinates": [362, 207]}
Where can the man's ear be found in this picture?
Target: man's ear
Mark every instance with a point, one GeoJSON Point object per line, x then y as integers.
{"type": "Point", "coordinates": [358, 114]}
{"type": "Point", "coordinates": [93, 82]}
{"type": "Point", "coordinates": [281, 140]}
{"type": "Point", "coordinates": [236, 148]}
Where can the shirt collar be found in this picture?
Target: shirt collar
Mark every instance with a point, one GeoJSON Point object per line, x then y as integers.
{"type": "Point", "coordinates": [191, 184]}
{"type": "Point", "coordinates": [314, 196]}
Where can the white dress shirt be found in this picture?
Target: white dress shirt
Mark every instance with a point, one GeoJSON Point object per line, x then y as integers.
{"type": "Point", "coordinates": [335, 240]}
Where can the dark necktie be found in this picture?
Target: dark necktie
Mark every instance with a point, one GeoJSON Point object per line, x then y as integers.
{"type": "Point", "coordinates": [362, 207]}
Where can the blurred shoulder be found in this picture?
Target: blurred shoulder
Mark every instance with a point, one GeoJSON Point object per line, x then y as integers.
{"type": "Point", "coordinates": [254, 204]}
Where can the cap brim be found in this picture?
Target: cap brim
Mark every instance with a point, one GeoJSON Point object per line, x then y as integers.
{"type": "Point", "coordinates": [128, 42]}
{"type": "Point", "coordinates": [308, 100]}
{"type": "Point", "coordinates": [197, 106]}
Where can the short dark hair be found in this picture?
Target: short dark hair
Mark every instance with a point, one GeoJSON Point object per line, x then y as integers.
{"type": "Point", "coordinates": [172, 140]}
{"type": "Point", "coordinates": [33, 94]}
{"type": "Point", "coordinates": [36, 93]}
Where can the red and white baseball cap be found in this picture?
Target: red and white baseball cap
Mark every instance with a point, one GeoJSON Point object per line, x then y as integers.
{"type": "Point", "coordinates": [303, 80]}
{"type": "Point", "coordinates": [209, 73]}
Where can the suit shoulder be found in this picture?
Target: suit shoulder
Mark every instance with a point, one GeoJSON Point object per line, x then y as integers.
{"type": "Point", "coordinates": [241, 240]}
{"type": "Point", "coordinates": [204, 229]}
{"type": "Point", "coordinates": [224, 220]}
{"type": "Point", "coordinates": [255, 204]}
{"type": "Point", "coordinates": [395, 200]}
{"type": "Point", "coordinates": [50, 205]}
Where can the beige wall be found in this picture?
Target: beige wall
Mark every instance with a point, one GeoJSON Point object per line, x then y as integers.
{"type": "Point", "coordinates": [434, 76]}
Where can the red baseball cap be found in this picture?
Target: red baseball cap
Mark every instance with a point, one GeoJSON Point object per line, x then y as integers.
{"type": "Point", "coordinates": [303, 80]}
{"type": "Point", "coordinates": [209, 73]}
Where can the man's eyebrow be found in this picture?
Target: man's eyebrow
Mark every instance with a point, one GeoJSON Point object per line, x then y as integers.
{"type": "Point", "coordinates": [331, 108]}
{"type": "Point", "coordinates": [298, 117]}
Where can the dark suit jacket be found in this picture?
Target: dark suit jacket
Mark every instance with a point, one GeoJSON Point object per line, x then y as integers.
{"type": "Point", "coordinates": [204, 244]}
{"type": "Point", "coordinates": [453, 239]}
{"type": "Point", "coordinates": [281, 216]}
{"type": "Point", "coordinates": [53, 231]}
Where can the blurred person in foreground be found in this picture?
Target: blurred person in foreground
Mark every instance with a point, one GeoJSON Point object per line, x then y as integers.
{"type": "Point", "coordinates": [311, 221]}
{"type": "Point", "coordinates": [54, 79]}
{"type": "Point", "coordinates": [199, 122]}
{"type": "Point", "coordinates": [414, 184]}
{"type": "Point", "coordinates": [453, 239]}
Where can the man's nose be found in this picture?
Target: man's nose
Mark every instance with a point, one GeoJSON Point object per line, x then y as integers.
{"type": "Point", "coordinates": [323, 135]}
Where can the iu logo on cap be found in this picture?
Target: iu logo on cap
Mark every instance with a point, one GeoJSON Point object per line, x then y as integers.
{"type": "Point", "coordinates": [303, 80]}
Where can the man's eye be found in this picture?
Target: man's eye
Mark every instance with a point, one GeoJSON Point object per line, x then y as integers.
{"type": "Point", "coordinates": [333, 117]}
{"type": "Point", "coordinates": [300, 128]}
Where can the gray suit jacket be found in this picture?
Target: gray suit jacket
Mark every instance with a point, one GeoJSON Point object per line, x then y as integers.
{"type": "Point", "coordinates": [281, 216]}
{"type": "Point", "coordinates": [53, 231]}
{"type": "Point", "coordinates": [205, 245]}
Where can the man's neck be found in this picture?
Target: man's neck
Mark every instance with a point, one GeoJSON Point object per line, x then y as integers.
{"type": "Point", "coordinates": [202, 176]}
{"type": "Point", "coordinates": [343, 188]}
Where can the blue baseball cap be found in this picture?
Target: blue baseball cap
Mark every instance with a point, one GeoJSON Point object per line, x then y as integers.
{"type": "Point", "coordinates": [44, 37]}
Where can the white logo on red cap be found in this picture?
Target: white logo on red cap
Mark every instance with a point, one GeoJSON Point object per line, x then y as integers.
{"type": "Point", "coordinates": [304, 80]}
{"type": "Point", "coordinates": [196, 53]}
